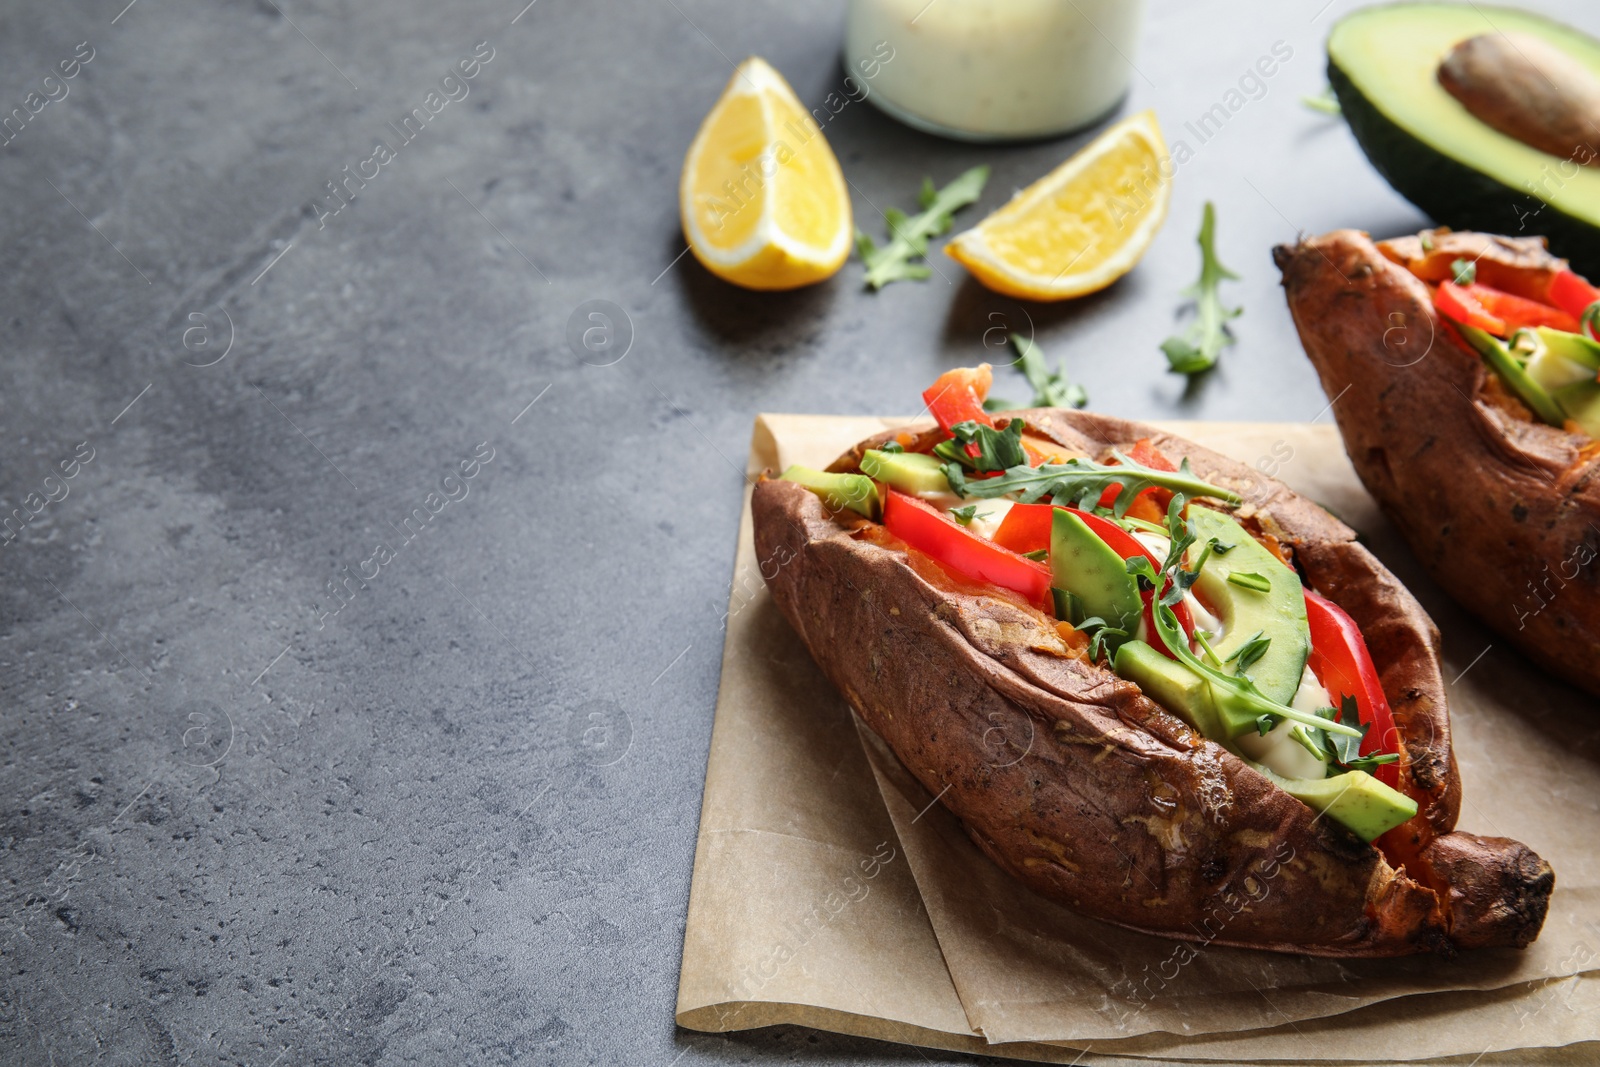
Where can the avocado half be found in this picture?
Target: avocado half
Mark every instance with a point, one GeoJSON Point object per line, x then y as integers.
{"type": "Point", "coordinates": [1383, 64]}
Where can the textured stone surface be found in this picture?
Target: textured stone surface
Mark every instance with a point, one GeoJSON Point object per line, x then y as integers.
{"type": "Point", "coordinates": [454, 821]}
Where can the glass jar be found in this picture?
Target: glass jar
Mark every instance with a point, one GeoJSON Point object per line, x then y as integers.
{"type": "Point", "coordinates": [993, 70]}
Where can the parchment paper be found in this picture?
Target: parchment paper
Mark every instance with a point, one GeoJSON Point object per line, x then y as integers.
{"type": "Point", "coordinates": [829, 896]}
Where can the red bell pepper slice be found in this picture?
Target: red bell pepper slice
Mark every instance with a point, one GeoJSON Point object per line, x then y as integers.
{"type": "Point", "coordinates": [928, 530]}
{"type": "Point", "coordinates": [957, 396]}
{"type": "Point", "coordinates": [1026, 528]}
{"type": "Point", "coordinates": [1572, 294]}
{"type": "Point", "coordinates": [1458, 305]}
{"type": "Point", "coordinates": [1341, 662]}
{"type": "Point", "coordinates": [1518, 311]}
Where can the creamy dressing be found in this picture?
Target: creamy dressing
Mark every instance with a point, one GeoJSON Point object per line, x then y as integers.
{"type": "Point", "coordinates": [1277, 751]}
{"type": "Point", "coordinates": [1203, 619]}
{"type": "Point", "coordinates": [993, 69]}
{"type": "Point", "coordinates": [985, 521]}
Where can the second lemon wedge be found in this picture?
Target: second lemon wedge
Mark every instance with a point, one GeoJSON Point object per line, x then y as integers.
{"type": "Point", "coordinates": [1080, 227]}
{"type": "Point", "coordinates": [762, 198]}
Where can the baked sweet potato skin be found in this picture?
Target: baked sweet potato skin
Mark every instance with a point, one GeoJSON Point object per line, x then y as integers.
{"type": "Point", "coordinates": [1502, 510]}
{"type": "Point", "coordinates": [1084, 789]}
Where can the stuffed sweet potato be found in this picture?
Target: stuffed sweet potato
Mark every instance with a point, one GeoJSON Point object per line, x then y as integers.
{"type": "Point", "coordinates": [1124, 745]}
{"type": "Point", "coordinates": [1466, 395]}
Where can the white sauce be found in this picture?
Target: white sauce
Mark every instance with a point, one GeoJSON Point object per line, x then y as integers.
{"type": "Point", "coordinates": [992, 69]}
{"type": "Point", "coordinates": [1279, 752]}
{"type": "Point", "coordinates": [985, 521]}
{"type": "Point", "coordinates": [1203, 619]}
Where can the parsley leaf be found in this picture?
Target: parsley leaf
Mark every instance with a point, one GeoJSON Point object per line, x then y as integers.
{"type": "Point", "coordinates": [1050, 388]}
{"type": "Point", "coordinates": [1465, 271]}
{"type": "Point", "coordinates": [1079, 482]}
{"type": "Point", "coordinates": [909, 234]}
{"type": "Point", "coordinates": [1197, 350]}
{"type": "Point", "coordinates": [998, 450]}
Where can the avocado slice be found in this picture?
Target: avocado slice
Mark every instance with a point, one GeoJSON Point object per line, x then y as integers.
{"type": "Point", "coordinates": [1278, 612]}
{"type": "Point", "coordinates": [1514, 374]}
{"type": "Point", "coordinates": [909, 472]}
{"type": "Point", "coordinates": [838, 491]}
{"type": "Point", "coordinates": [1090, 569]}
{"type": "Point", "coordinates": [1354, 799]}
{"type": "Point", "coordinates": [1170, 684]}
{"type": "Point", "coordinates": [1383, 64]}
{"type": "Point", "coordinates": [1581, 402]}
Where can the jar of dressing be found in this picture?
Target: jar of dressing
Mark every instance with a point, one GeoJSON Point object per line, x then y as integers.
{"type": "Point", "coordinates": [994, 70]}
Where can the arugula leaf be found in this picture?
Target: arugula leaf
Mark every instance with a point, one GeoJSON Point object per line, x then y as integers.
{"type": "Point", "coordinates": [909, 234]}
{"type": "Point", "coordinates": [964, 515]}
{"type": "Point", "coordinates": [1250, 580]}
{"type": "Point", "coordinates": [1197, 350]}
{"type": "Point", "coordinates": [1346, 748]}
{"type": "Point", "coordinates": [1051, 389]}
{"type": "Point", "coordinates": [998, 450]}
{"type": "Point", "coordinates": [1101, 632]}
{"type": "Point", "coordinates": [1325, 102]}
{"type": "Point", "coordinates": [892, 446]}
{"type": "Point", "coordinates": [1346, 752]}
{"type": "Point", "coordinates": [1590, 319]}
{"type": "Point", "coordinates": [1465, 271]}
{"type": "Point", "coordinates": [1081, 482]}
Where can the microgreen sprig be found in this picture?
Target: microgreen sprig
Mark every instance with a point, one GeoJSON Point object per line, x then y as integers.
{"type": "Point", "coordinates": [1081, 482]}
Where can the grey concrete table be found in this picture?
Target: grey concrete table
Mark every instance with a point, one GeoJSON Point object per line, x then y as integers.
{"type": "Point", "coordinates": [448, 816]}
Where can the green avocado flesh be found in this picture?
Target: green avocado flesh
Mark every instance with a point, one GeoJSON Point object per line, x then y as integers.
{"type": "Point", "coordinates": [1279, 613]}
{"type": "Point", "coordinates": [1091, 570]}
{"type": "Point", "coordinates": [909, 472]}
{"type": "Point", "coordinates": [1383, 63]}
{"type": "Point", "coordinates": [838, 491]}
{"type": "Point", "coordinates": [1354, 799]}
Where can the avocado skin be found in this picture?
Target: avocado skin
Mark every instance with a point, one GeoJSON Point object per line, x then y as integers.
{"type": "Point", "coordinates": [1452, 192]}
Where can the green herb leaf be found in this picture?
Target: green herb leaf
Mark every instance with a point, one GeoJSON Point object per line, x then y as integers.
{"type": "Point", "coordinates": [1590, 320]}
{"type": "Point", "coordinates": [1265, 724]}
{"type": "Point", "coordinates": [1465, 271]}
{"type": "Point", "coordinates": [1197, 349]}
{"type": "Point", "coordinates": [1250, 580]}
{"type": "Point", "coordinates": [1427, 240]}
{"type": "Point", "coordinates": [1051, 389]}
{"type": "Point", "coordinates": [1039, 554]}
{"type": "Point", "coordinates": [1250, 652]}
{"type": "Point", "coordinates": [909, 234]}
{"type": "Point", "coordinates": [1310, 740]}
{"type": "Point", "coordinates": [964, 515]}
{"type": "Point", "coordinates": [892, 446]}
{"type": "Point", "coordinates": [998, 450]}
{"type": "Point", "coordinates": [1080, 482]}
{"type": "Point", "coordinates": [1325, 102]}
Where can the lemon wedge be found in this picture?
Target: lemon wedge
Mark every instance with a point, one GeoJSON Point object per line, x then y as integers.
{"type": "Point", "coordinates": [1080, 227]}
{"type": "Point", "coordinates": [762, 197]}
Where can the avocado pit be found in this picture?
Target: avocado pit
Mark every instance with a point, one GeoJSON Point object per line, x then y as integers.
{"type": "Point", "coordinates": [1529, 89]}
